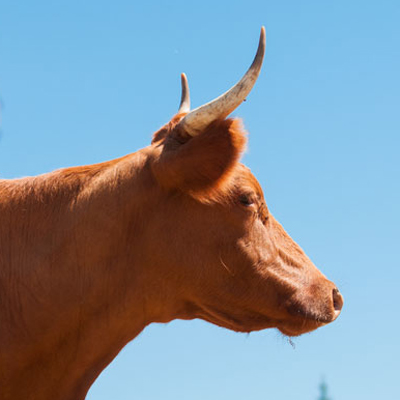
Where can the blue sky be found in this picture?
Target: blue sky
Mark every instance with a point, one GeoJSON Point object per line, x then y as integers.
{"type": "Point", "coordinates": [83, 82]}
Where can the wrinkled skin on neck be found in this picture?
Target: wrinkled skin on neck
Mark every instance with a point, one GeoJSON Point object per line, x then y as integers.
{"type": "Point", "coordinates": [91, 255]}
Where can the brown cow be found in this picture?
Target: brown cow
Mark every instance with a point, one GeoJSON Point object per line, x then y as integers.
{"type": "Point", "coordinates": [91, 255]}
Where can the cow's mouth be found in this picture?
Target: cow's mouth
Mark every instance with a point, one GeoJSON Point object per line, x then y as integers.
{"type": "Point", "coordinates": [296, 323]}
{"type": "Point", "coordinates": [257, 322]}
{"type": "Point", "coordinates": [298, 315]}
{"type": "Point", "coordinates": [303, 321]}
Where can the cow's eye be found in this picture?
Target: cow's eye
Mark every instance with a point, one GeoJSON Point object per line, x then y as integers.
{"type": "Point", "coordinates": [246, 199]}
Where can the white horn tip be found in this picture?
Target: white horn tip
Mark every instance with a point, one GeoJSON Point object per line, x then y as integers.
{"type": "Point", "coordinates": [184, 106]}
{"type": "Point", "coordinates": [263, 35]}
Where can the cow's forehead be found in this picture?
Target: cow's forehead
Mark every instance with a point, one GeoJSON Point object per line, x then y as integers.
{"type": "Point", "coordinates": [245, 180]}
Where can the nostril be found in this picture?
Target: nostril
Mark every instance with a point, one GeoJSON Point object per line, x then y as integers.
{"type": "Point", "coordinates": [337, 300]}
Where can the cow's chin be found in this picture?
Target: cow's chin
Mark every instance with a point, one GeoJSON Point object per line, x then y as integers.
{"type": "Point", "coordinates": [299, 328]}
{"type": "Point", "coordinates": [295, 326]}
{"type": "Point", "coordinates": [237, 323]}
{"type": "Point", "coordinates": [288, 329]}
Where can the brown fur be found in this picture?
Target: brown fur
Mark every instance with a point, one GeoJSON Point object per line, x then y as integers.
{"type": "Point", "coordinates": [91, 255]}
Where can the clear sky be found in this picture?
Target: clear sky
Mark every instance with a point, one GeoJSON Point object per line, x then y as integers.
{"type": "Point", "coordinates": [87, 81]}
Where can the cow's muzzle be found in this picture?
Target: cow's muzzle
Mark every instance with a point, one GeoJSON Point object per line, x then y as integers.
{"type": "Point", "coordinates": [312, 308]}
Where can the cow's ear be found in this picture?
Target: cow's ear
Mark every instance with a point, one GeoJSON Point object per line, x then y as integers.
{"type": "Point", "coordinates": [200, 163]}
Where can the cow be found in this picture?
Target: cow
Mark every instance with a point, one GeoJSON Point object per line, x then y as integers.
{"type": "Point", "coordinates": [91, 255]}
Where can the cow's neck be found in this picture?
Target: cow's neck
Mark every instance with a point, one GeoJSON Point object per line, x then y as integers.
{"type": "Point", "coordinates": [73, 287]}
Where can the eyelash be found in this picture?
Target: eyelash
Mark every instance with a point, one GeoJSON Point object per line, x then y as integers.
{"type": "Point", "coordinates": [245, 200]}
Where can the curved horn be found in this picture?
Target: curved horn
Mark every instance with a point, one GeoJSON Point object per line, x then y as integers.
{"type": "Point", "coordinates": [199, 118]}
{"type": "Point", "coordinates": [184, 107]}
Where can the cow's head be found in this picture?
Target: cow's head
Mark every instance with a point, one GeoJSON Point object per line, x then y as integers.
{"type": "Point", "coordinates": [233, 263]}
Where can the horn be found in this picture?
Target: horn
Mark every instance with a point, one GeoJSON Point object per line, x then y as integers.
{"type": "Point", "coordinates": [184, 107]}
{"type": "Point", "coordinates": [199, 118]}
